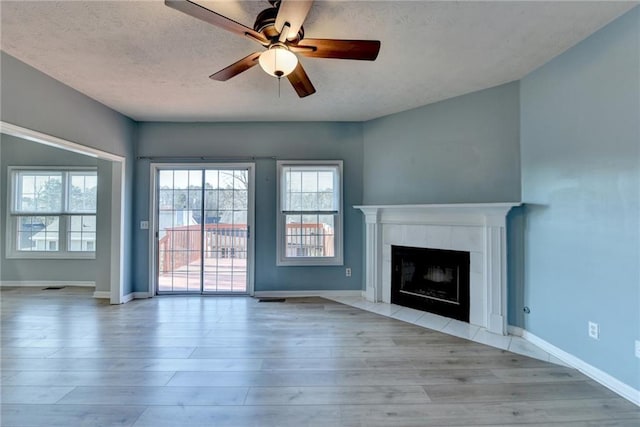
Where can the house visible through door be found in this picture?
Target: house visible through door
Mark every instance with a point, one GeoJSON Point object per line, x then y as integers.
{"type": "Point", "coordinates": [203, 230]}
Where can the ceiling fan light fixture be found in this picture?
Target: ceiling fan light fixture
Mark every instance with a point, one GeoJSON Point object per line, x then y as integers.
{"type": "Point", "coordinates": [278, 61]}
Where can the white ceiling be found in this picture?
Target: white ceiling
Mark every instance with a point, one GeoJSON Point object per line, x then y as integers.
{"type": "Point", "coordinates": [151, 62]}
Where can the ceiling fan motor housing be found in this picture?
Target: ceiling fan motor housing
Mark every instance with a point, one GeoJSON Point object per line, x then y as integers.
{"type": "Point", "coordinates": [266, 24]}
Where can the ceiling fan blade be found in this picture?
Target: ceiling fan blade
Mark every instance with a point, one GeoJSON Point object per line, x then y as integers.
{"type": "Point", "coordinates": [300, 82]}
{"type": "Point", "coordinates": [208, 15]}
{"type": "Point", "coordinates": [293, 12]}
{"type": "Point", "coordinates": [236, 68]}
{"type": "Point", "coordinates": [363, 50]}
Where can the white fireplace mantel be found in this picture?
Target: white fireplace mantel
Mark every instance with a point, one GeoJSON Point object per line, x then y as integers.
{"type": "Point", "coordinates": [479, 228]}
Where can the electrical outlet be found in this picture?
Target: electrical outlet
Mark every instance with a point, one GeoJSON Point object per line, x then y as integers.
{"type": "Point", "coordinates": [594, 330]}
{"type": "Point", "coordinates": [638, 349]}
{"type": "Point", "coordinates": [347, 272]}
{"type": "Point", "coordinates": [144, 225]}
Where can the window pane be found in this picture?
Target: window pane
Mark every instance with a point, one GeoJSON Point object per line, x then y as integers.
{"type": "Point", "coordinates": [39, 191]}
{"type": "Point", "coordinates": [240, 199]}
{"type": "Point", "coordinates": [165, 200]}
{"type": "Point", "coordinates": [310, 181]}
{"type": "Point", "coordinates": [83, 191]}
{"type": "Point", "coordinates": [180, 199]}
{"type": "Point", "coordinates": [37, 233]}
{"type": "Point", "coordinates": [309, 188]}
{"type": "Point", "coordinates": [294, 180]}
{"type": "Point", "coordinates": [166, 179]}
{"type": "Point", "coordinates": [211, 179]}
{"type": "Point", "coordinates": [325, 181]}
{"type": "Point", "coordinates": [226, 180]}
{"type": "Point", "coordinates": [309, 236]}
{"type": "Point", "coordinates": [295, 201]}
{"type": "Point", "coordinates": [309, 201]}
{"type": "Point", "coordinates": [241, 180]}
{"type": "Point", "coordinates": [211, 200]}
{"type": "Point", "coordinates": [181, 179]}
{"type": "Point", "coordinates": [81, 233]}
{"type": "Point", "coordinates": [225, 199]}
{"type": "Point", "coordinates": [326, 201]}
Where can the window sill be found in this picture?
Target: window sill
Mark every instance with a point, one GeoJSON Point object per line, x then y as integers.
{"type": "Point", "coordinates": [310, 262]}
{"type": "Point", "coordinates": [45, 255]}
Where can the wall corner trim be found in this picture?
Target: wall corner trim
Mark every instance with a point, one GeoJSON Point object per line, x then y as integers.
{"type": "Point", "coordinates": [613, 384]}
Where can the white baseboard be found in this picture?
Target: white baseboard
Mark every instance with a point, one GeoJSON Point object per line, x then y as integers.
{"type": "Point", "coordinates": [102, 294]}
{"type": "Point", "coordinates": [127, 298]}
{"type": "Point", "coordinates": [140, 295]}
{"type": "Point", "coordinates": [515, 330]}
{"type": "Point", "coordinates": [293, 294]}
{"type": "Point", "coordinates": [45, 283]}
{"type": "Point", "coordinates": [613, 384]}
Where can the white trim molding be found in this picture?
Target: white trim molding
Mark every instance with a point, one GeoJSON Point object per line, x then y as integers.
{"type": "Point", "coordinates": [54, 141]}
{"type": "Point", "coordinates": [102, 294]}
{"type": "Point", "coordinates": [613, 384]}
{"type": "Point", "coordinates": [135, 295]}
{"type": "Point", "coordinates": [478, 228]}
{"type": "Point", "coordinates": [45, 283]}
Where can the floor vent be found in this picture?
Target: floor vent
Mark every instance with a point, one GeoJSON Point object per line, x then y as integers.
{"type": "Point", "coordinates": [272, 300]}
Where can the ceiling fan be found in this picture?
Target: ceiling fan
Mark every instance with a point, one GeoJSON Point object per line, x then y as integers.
{"type": "Point", "coordinates": [279, 29]}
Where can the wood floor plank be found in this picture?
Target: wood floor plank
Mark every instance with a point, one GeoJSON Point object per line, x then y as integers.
{"type": "Point", "coordinates": [69, 415]}
{"type": "Point", "coordinates": [11, 394]}
{"type": "Point", "coordinates": [89, 378]}
{"type": "Point", "coordinates": [166, 396]}
{"type": "Point", "coordinates": [71, 360]}
{"type": "Point", "coordinates": [254, 416]}
{"type": "Point", "coordinates": [532, 375]}
{"type": "Point", "coordinates": [336, 395]}
{"type": "Point", "coordinates": [457, 393]}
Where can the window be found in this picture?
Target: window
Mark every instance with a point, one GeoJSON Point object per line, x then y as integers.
{"type": "Point", "coordinates": [309, 213]}
{"type": "Point", "coordinates": [52, 213]}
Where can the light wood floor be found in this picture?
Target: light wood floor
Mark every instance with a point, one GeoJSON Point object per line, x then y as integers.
{"type": "Point", "coordinates": [71, 360]}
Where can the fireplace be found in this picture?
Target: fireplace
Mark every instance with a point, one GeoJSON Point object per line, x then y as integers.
{"type": "Point", "coordinates": [477, 228]}
{"type": "Point", "coordinates": [433, 280]}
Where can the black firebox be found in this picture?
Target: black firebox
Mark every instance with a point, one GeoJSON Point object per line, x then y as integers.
{"type": "Point", "coordinates": [432, 280]}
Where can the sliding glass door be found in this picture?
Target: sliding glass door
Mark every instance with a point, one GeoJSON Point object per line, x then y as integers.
{"type": "Point", "coordinates": [203, 217]}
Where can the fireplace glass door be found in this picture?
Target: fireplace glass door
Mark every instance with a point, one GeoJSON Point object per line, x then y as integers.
{"type": "Point", "coordinates": [432, 280]}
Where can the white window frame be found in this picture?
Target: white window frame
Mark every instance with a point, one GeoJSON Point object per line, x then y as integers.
{"type": "Point", "coordinates": [64, 216]}
{"type": "Point", "coordinates": [281, 258]}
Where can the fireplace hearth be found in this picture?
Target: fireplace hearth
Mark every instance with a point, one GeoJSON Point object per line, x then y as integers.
{"type": "Point", "coordinates": [433, 280]}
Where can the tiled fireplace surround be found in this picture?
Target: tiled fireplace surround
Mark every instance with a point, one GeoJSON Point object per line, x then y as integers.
{"type": "Point", "coordinates": [478, 228]}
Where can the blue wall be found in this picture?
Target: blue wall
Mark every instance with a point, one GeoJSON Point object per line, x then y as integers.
{"type": "Point", "coordinates": [33, 100]}
{"type": "Point", "coordinates": [462, 150]}
{"type": "Point", "coordinates": [580, 143]}
{"type": "Point", "coordinates": [299, 141]}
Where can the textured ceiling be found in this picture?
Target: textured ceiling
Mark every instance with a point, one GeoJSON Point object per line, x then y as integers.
{"type": "Point", "coordinates": [151, 62]}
